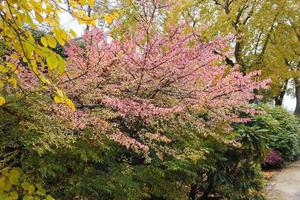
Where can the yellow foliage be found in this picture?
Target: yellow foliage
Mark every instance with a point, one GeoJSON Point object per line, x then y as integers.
{"type": "Point", "coordinates": [44, 41]}
{"type": "Point", "coordinates": [61, 97]}
{"type": "Point", "coordinates": [2, 101]}
{"type": "Point", "coordinates": [52, 62]}
{"type": "Point", "coordinates": [51, 41]}
{"type": "Point", "coordinates": [18, 16]}
{"type": "Point", "coordinates": [111, 17]}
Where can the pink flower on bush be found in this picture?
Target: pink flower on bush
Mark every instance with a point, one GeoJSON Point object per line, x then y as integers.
{"type": "Point", "coordinates": [274, 158]}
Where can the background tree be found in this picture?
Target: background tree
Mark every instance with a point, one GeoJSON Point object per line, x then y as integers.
{"type": "Point", "coordinates": [265, 32]}
{"type": "Point", "coordinates": [265, 36]}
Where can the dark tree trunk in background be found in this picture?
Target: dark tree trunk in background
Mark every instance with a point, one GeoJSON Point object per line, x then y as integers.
{"type": "Point", "coordinates": [193, 192]}
{"type": "Point", "coordinates": [279, 98]}
{"type": "Point", "coordinates": [89, 12]}
{"type": "Point", "coordinates": [207, 191]}
{"type": "Point", "coordinates": [297, 94]}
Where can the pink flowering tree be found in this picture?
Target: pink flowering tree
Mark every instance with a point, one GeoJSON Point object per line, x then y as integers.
{"type": "Point", "coordinates": [152, 74]}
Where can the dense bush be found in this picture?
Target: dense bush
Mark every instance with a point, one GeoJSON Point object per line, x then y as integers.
{"type": "Point", "coordinates": [79, 165]}
{"type": "Point", "coordinates": [195, 164]}
{"type": "Point", "coordinates": [282, 130]}
{"type": "Point", "coordinates": [280, 134]}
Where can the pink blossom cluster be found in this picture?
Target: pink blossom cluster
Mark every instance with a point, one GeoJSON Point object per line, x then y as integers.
{"type": "Point", "coordinates": [27, 81]}
{"type": "Point", "coordinates": [274, 158]}
{"type": "Point", "coordinates": [77, 120]}
{"type": "Point", "coordinates": [129, 142]}
{"type": "Point", "coordinates": [141, 109]}
{"type": "Point", "coordinates": [157, 137]}
{"type": "Point", "coordinates": [153, 74]}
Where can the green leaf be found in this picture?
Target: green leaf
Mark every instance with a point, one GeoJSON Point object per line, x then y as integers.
{"type": "Point", "coordinates": [2, 182]}
{"type": "Point", "coordinates": [5, 171]}
{"type": "Point", "coordinates": [48, 197]}
{"type": "Point", "coordinates": [13, 196]}
{"type": "Point", "coordinates": [7, 186]}
{"type": "Point", "coordinates": [31, 189]}
{"type": "Point", "coordinates": [41, 192]}
{"type": "Point", "coordinates": [25, 185]}
{"type": "Point", "coordinates": [38, 186]}
{"type": "Point", "coordinates": [14, 175]}
{"type": "Point", "coordinates": [27, 197]}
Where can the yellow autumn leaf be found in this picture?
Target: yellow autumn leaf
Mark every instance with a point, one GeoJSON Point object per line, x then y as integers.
{"type": "Point", "coordinates": [60, 93]}
{"type": "Point", "coordinates": [61, 65]}
{"type": "Point", "coordinates": [38, 17]}
{"type": "Point", "coordinates": [82, 2]}
{"type": "Point", "coordinates": [2, 101]}
{"type": "Point", "coordinates": [59, 37]}
{"type": "Point", "coordinates": [109, 19]}
{"type": "Point", "coordinates": [70, 104]}
{"type": "Point", "coordinates": [34, 66]}
{"type": "Point", "coordinates": [62, 98]}
{"type": "Point", "coordinates": [52, 62]}
{"type": "Point", "coordinates": [31, 189]}
{"type": "Point", "coordinates": [115, 14]}
{"type": "Point", "coordinates": [14, 56]}
{"type": "Point", "coordinates": [58, 99]}
{"type": "Point", "coordinates": [13, 82]}
{"type": "Point", "coordinates": [3, 69]}
{"type": "Point", "coordinates": [51, 41]}
{"type": "Point", "coordinates": [91, 2]}
{"type": "Point", "coordinates": [73, 33]}
{"type": "Point", "coordinates": [63, 34]}
{"type": "Point", "coordinates": [12, 66]}
{"type": "Point", "coordinates": [44, 41]}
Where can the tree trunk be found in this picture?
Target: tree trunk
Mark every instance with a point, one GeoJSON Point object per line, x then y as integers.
{"type": "Point", "coordinates": [207, 191]}
{"type": "Point", "coordinates": [193, 192]}
{"type": "Point", "coordinates": [210, 180]}
{"type": "Point", "coordinates": [279, 98]}
{"type": "Point", "coordinates": [297, 94]}
{"type": "Point", "coordinates": [89, 11]}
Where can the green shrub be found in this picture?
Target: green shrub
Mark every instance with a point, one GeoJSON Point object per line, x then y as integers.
{"type": "Point", "coordinates": [281, 128]}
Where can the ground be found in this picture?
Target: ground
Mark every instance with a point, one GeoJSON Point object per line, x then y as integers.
{"type": "Point", "coordinates": [286, 184]}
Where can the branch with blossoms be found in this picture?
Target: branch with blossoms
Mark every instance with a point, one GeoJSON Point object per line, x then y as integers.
{"type": "Point", "coordinates": [155, 74]}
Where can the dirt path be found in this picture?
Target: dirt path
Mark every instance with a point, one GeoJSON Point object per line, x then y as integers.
{"type": "Point", "coordinates": [286, 184]}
